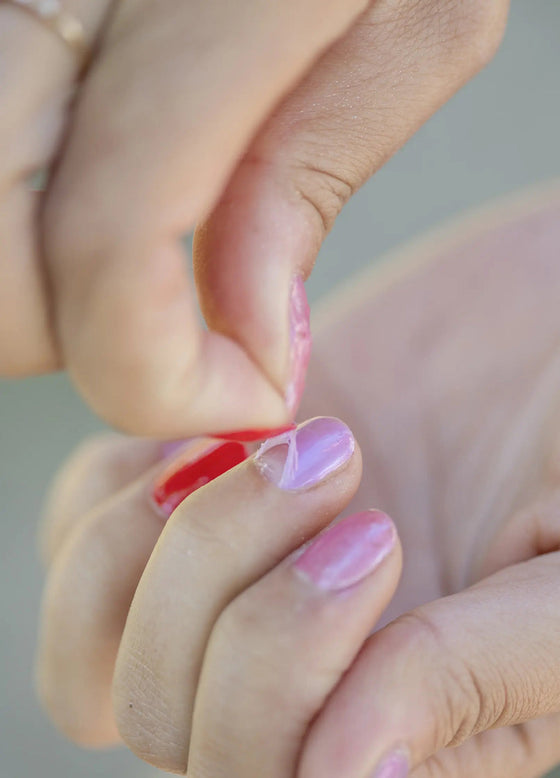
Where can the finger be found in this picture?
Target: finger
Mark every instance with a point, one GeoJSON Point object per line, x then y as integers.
{"type": "Point", "coordinates": [91, 584]}
{"type": "Point", "coordinates": [99, 468]}
{"type": "Point", "coordinates": [365, 97]}
{"type": "Point", "coordinates": [528, 750]}
{"type": "Point", "coordinates": [445, 672]}
{"type": "Point", "coordinates": [278, 650]}
{"type": "Point", "coordinates": [160, 123]}
{"type": "Point", "coordinates": [38, 73]}
{"type": "Point", "coordinates": [216, 545]}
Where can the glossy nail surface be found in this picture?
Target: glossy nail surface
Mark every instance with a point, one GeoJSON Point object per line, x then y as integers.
{"type": "Point", "coordinates": [198, 465]}
{"type": "Point", "coordinates": [349, 551]}
{"type": "Point", "coordinates": [303, 457]}
{"type": "Point", "coordinates": [300, 344]}
{"type": "Point", "coordinates": [394, 765]}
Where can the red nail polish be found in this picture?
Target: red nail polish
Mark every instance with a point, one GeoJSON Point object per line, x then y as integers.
{"type": "Point", "coordinates": [248, 436]}
{"type": "Point", "coordinates": [194, 469]}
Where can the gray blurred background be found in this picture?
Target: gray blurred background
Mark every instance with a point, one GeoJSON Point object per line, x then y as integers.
{"type": "Point", "coordinates": [501, 133]}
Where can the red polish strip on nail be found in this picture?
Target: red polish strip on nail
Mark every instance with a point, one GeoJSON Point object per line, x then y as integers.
{"type": "Point", "coordinates": [185, 477]}
{"type": "Point", "coordinates": [248, 436]}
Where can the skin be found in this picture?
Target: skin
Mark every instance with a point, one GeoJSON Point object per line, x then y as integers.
{"type": "Point", "coordinates": [255, 123]}
{"type": "Point", "coordinates": [451, 388]}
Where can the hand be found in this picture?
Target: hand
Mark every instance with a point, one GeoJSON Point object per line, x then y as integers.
{"type": "Point", "coordinates": [230, 638]}
{"type": "Point", "coordinates": [268, 115]}
{"type": "Point", "coordinates": [451, 386]}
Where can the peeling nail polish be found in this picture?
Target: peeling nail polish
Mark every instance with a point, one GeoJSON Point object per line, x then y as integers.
{"type": "Point", "coordinates": [300, 344]}
{"type": "Point", "coordinates": [196, 467]}
{"type": "Point", "coordinates": [300, 350]}
{"type": "Point", "coordinates": [303, 457]}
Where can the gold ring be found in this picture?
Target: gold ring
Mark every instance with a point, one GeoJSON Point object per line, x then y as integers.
{"type": "Point", "coordinates": [53, 15]}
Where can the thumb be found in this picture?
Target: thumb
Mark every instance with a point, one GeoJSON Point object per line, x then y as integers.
{"type": "Point", "coordinates": [477, 660]}
{"type": "Point", "coordinates": [364, 98]}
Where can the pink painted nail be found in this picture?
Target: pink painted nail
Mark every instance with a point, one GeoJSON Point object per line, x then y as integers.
{"type": "Point", "coordinates": [301, 458]}
{"type": "Point", "coordinates": [300, 344]}
{"type": "Point", "coordinates": [394, 765]}
{"type": "Point", "coordinates": [347, 552]}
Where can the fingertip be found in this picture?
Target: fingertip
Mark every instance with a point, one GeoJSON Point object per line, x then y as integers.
{"type": "Point", "coordinates": [250, 259]}
{"type": "Point", "coordinates": [160, 390]}
{"type": "Point", "coordinates": [349, 552]}
{"type": "Point", "coordinates": [306, 456]}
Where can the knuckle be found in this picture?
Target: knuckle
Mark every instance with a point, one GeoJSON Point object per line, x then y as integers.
{"type": "Point", "coordinates": [461, 702]}
{"type": "Point", "coordinates": [416, 636]}
{"type": "Point", "coordinates": [323, 190]}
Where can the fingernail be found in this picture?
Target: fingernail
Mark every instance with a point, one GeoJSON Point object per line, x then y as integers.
{"type": "Point", "coordinates": [394, 765]}
{"type": "Point", "coordinates": [300, 344]}
{"type": "Point", "coordinates": [248, 436]}
{"type": "Point", "coordinates": [301, 458]}
{"type": "Point", "coordinates": [170, 447]}
{"type": "Point", "coordinates": [348, 552]}
{"type": "Point", "coordinates": [300, 350]}
{"type": "Point", "coordinates": [197, 466]}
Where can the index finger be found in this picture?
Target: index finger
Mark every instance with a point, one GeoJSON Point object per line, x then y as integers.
{"type": "Point", "coordinates": [161, 122]}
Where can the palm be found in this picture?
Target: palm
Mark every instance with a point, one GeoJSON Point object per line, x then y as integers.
{"type": "Point", "coordinates": [448, 373]}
